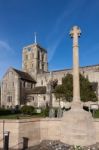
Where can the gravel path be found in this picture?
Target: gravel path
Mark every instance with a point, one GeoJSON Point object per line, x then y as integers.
{"type": "Point", "coordinates": [57, 145]}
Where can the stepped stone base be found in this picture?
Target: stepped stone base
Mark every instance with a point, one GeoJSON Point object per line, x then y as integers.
{"type": "Point", "coordinates": [77, 127]}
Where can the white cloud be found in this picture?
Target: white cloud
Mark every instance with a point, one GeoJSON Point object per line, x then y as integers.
{"type": "Point", "coordinates": [54, 46]}
{"type": "Point", "coordinates": [5, 47]}
{"type": "Point", "coordinates": [7, 55]}
{"type": "Point", "coordinates": [56, 32]}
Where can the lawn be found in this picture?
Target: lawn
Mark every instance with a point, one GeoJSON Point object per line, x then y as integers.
{"type": "Point", "coordinates": [96, 114]}
{"type": "Point", "coordinates": [19, 116]}
{"type": "Point", "coordinates": [8, 117]}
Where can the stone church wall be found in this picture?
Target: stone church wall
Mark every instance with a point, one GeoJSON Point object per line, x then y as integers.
{"type": "Point", "coordinates": [10, 91]}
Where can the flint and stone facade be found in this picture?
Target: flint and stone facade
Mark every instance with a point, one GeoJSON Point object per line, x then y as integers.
{"type": "Point", "coordinates": [31, 85]}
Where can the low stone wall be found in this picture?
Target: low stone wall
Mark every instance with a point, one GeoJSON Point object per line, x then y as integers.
{"type": "Point", "coordinates": [13, 127]}
{"type": "Point", "coordinates": [96, 124]}
{"type": "Point", "coordinates": [35, 130]}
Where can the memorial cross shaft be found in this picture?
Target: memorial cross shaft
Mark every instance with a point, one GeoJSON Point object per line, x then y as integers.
{"type": "Point", "coordinates": [75, 34]}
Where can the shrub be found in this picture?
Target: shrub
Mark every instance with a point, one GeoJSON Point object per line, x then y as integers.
{"type": "Point", "coordinates": [45, 112]}
{"type": "Point", "coordinates": [29, 110]}
{"type": "Point", "coordinates": [4, 111]}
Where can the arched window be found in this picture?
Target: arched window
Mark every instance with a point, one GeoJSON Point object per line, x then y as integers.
{"type": "Point", "coordinates": [26, 57]}
{"type": "Point", "coordinates": [41, 82]}
{"type": "Point", "coordinates": [38, 55]}
{"type": "Point", "coordinates": [33, 98]}
{"type": "Point", "coordinates": [9, 99]}
{"type": "Point", "coordinates": [43, 57]}
{"type": "Point", "coordinates": [43, 67]}
{"type": "Point", "coordinates": [44, 98]}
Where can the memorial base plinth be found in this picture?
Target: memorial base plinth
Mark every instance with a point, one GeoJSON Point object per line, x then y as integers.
{"type": "Point", "coordinates": [77, 127]}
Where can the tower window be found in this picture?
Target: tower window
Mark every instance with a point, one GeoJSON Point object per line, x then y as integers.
{"type": "Point", "coordinates": [29, 48]}
{"type": "Point", "coordinates": [38, 55]}
{"type": "Point", "coordinates": [42, 57]}
{"type": "Point", "coordinates": [9, 99]}
{"type": "Point", "coordinates": [26, 57]}
{"type": "Point", "coordinates": [41, 82]}
{"type": "Point", "coordinates": [42, 66]}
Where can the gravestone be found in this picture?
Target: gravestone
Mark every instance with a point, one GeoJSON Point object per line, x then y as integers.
{"type": "Point", "coordinates": [51, 113]}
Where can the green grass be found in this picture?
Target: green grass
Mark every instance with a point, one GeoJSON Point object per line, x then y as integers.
{"type": "Point", "coordinates": [19, 116]}
{"type": "Point", "coordinates": [12, 116]}
{"type": "Point", "coordinates": [96, 114]}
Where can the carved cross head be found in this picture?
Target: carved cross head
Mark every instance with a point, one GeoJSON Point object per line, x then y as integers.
{"type": "Point", "coordinates": [75, 31]}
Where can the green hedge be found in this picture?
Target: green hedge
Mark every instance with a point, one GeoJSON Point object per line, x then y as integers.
{"type": "Point", "coordinates": [45, 112]}
{"type": "Point", "coordinates": [28, 110]}
{"type": "Point", "coordinates": [5, 111]}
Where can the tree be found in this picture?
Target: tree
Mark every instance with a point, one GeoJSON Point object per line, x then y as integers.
{"type": "Point", "coordinates": [86, 90]}
{"type": "Point", "coordinates": [59, 93]}
{"type": "Point", "coordinates": [67, 83]}
{"type": "Point", "coordinates": [65, 91]}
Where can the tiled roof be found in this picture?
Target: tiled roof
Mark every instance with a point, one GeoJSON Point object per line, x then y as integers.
{"type": "Point", "coordinates": [39, 90]}
{"type": "Point", "coordinates": [70, 69]}
{"type": "Point", "coordinates": [24, 75]}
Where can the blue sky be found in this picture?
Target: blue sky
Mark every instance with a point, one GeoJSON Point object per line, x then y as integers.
{"type": "Point", "coordinates": [52, 20]}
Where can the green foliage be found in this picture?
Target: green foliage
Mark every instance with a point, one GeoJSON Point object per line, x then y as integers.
{"type": "Point", "coordinates": [86, 91]}
{"type": "Point", "coordinates": [45, 112]}
{"type": "Point", "coordinates": [59, 92]}
{"type": "Point", "coordinates": [65, 91]}
{"type": "Point", "coordinates": [4, 111]}
{"type": "Point", "coordinates": [28, 110]}
{"type": "Point", "coordinates": [77, 147]}
{"type": "Point", "coordinates": [67, 83]}
{"type": "Point", "coordinates": [96, 114]}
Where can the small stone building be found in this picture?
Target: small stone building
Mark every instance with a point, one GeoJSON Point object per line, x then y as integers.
{"type": "Point", "coordinates": [31, 85]}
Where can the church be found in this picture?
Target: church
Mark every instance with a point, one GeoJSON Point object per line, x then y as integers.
{"type": "Point", "coordinates": [31, 85]}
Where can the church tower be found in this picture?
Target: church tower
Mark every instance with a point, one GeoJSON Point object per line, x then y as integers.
{"type": "Point", "coordinates": [34, 59]}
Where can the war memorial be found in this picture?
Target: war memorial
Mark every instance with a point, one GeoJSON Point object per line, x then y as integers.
{"type": "Point", "coordinates": [76, 128]}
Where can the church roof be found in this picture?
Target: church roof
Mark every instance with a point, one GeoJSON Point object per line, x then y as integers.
{"type": "Point", "coordinates": [90, 67]}
{"type": "Point", "coordinates": [24, 75]}
{"type": "Point", "coordinates": [39, 90]}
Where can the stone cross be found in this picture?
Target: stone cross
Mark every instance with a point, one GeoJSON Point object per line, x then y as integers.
{"type": "Point", "coordinates": [75, 33]}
